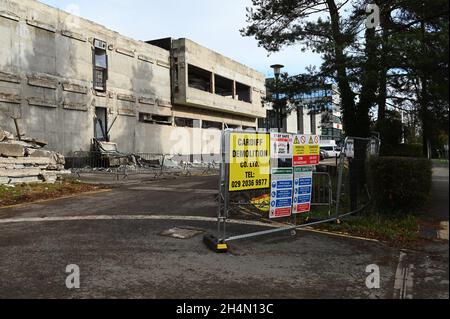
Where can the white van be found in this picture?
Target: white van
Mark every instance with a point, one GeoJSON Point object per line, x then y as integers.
{"type": "Point", "coordinates": [330, 149]}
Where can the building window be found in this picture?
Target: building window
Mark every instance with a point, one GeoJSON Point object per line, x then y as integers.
{"type": "Point", "coordinates": [101, 124]}
{"type": "Point", "coordinates": [313, 123]}
{"type": "Point", "coordinates": [199, 79]}
{"type": "Point", "coordinates": [223, 86]}
{"type": "Point", "coordinates": [262, 123]}
{"type": "Point", "coordinates": [155, 119]}
{"type": "Point", "coordinates": [243, 92]}
{"type": "Point", "coordinates": [184, 122]}
{"type": "Point", "coordinates": [232, 126]}
{"type": "Point", "coordinates": [100, 65]}
{"type": "Point", "coordinates": [331, 134]}
{"type": "Point", "coordinates": [176, 78]}
{"type": "Point", "coordinates": [300, 125]}
{"type": "Point", "coordinates": [212, 125]}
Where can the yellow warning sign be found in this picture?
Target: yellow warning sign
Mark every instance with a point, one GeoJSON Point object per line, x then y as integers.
{"type": "Point", "coordinates": [306, 150]}
{"type": "Point", "coordinates": [249, 161]}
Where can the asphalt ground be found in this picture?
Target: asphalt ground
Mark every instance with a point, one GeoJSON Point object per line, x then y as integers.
{"type": "Point", "coordinates": [115, 238]}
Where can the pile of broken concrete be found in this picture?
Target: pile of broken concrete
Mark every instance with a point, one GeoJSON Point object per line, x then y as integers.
{"type": "Point", "coordinates": [25, 161]}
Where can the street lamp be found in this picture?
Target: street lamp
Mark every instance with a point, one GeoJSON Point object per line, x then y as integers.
{"type": "Point", "coordinates": [277, 71]}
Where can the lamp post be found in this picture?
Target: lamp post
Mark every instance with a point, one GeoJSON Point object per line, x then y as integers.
{"type": "Point", "coordinates": [277, 71]}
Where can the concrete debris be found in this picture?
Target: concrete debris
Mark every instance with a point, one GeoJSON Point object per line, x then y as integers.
{"type": "Point", "coordinates": [24, 161]}
{"type": "Point", "coordinates": [32, 141]}
{"type": "Point", "coordinates": [105, 158]}
{"type": "Point", "coordinates": [107, 146]}
{"type": "Point", "coordinates": [13, 150]}
{"type": "Point", "coordinates": [115, 158]}
{"type": "Point", "coordinates": [4, 135]}
{"type": "Point", "coordinates": [169, 162]}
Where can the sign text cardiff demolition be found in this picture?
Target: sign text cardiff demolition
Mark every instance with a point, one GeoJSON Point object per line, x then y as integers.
{"type": "Point", "coordinates": [249, 161]}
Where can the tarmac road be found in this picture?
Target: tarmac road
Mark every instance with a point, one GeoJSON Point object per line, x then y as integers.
{"type": "Point", "coordinates": [127, 257]}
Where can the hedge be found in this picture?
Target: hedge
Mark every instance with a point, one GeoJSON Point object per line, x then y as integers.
{"type": "Point", "coordinates": [400, 185]}
{"type": "Point", "coordinates": [402, 150]}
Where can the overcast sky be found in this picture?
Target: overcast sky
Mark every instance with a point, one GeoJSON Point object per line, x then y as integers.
{"type": "Point", "coordinates": [212, 23]}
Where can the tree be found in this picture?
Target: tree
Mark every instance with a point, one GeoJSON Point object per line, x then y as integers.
{"type": "Point", "coordinates": [402, 64]}
{"type": "Point", "coordinates": [420, 40]}
{"type": "Point", "coordinates": [413, 64]}
{"type": "Point", "coordinates": [322, 27]}
{"type": "Point", "coordinates": [392, 127]}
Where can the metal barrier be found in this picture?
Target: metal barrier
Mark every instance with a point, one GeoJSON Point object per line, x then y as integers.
{"type": "Point", "coordinates": [236, 204]}
{"type": "Point", "coordinates": [322, 194]}
{"type": "Point", "coordinates": [352, 173]}
{"type": "Point", "coordinates": [259, 200]}
{"type": "Point", "coordinates": [122, 166]}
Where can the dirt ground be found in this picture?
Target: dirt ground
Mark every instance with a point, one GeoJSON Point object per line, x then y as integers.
{"type": "Point", "coordinates": [25, 193]}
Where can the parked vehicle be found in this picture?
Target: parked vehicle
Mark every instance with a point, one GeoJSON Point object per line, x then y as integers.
{"type": "Point", "coordinates": [323, 155]}
{"type": "Point", "coordinates": [330, 149]}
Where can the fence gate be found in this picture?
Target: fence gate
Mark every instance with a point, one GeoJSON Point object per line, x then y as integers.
{"type": "Point", "coordinates": [276, 180]}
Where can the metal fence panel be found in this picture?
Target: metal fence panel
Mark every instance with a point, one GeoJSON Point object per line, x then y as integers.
{"type": "Point", "coordinates": [332, 194]}
{"type": "Point", "coordinates": [121, 166]}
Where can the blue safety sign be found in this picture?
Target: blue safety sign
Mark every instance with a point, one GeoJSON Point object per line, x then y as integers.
{"type": "Point", "coordinates": [304, 190]}
{"type": "Point", "coordinates": [282, 192]}
{"type": "Point", "coordinates": [285, 202]}
{"type": "Point", "coordinates": [303, 182]}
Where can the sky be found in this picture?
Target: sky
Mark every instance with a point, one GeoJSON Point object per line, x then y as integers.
{"type": "Point", "coordinates": [214, 24]}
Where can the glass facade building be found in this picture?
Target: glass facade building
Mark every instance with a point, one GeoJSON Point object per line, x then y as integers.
{"type": "Point", "coordinates": [314, 112]}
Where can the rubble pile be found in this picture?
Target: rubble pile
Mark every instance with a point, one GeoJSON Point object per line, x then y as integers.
{"type": "Point", "coordinates": [25, 161]}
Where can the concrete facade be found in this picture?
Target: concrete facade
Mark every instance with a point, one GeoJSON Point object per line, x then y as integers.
{"type": "Point", "coordinates": [47, 83]}
{"type": "Point", "coordinates": [188, 53]}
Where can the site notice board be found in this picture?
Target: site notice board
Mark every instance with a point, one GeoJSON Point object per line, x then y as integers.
{"type": "Point", "coordinates": [249, 161]}
{"type": "Point", "coordinates": [280, 162]}
{"type": "Point", "coordinates": [281, 175]}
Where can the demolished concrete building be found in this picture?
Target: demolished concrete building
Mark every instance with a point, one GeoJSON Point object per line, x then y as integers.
{"type": "Point", "coordinates": [69, 81]}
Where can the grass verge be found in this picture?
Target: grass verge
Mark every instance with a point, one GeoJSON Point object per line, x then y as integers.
{"type": "Point", "coordinates": [397, 231]}
{"type": "Point", "coordinates": [25, 193]}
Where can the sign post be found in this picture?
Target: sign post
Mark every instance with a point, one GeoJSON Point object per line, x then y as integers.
{"type": "Point", "coordinates": [306, 155]}
{"type": "Point", "coordinates": [306, 150]}
{"type": "Point", "coordinates": [281, 175]}
{"type": "Point", "coordinates": [281, 193]}
{"type": "Point", "coordinates": [303, 178]}
{"type": "Point", "coordinates": [249, 160]}
{"type": "Point", "coordinates": [350, 148]}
